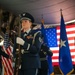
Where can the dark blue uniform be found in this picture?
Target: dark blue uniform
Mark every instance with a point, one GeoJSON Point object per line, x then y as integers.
{"type": "Point", "coordinates": [44, 64]}
{"type": "Point", "coordinates": [30, 46]}
{"type": "Point", "coordinates": [30, 52]}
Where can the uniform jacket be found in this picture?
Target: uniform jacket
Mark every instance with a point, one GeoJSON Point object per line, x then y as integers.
{"type": "Point", "coordinates": [30, 50]}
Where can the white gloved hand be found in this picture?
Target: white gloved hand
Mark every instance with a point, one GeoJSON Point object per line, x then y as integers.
{"type": "Point", "coordinates": [1, 43]}
{"type": "Point", "coordinates": [20, 41]}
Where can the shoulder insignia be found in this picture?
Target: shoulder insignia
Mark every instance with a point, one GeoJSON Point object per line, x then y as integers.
{"type": "Point", "coordinates": [40, 39]}
{"type": "Point", "coordinates": [45, 53]}
{"type": "Point", "coordinates": [20, 67]}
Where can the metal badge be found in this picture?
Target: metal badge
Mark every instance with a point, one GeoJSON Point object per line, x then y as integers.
{"type": "Point", "coordinates": [30, 37]}
{"type": "Point", "coordinates": [24, 14]}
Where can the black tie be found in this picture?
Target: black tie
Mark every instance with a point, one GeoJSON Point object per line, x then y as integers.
{"type": "Point", "coordinates": [25, 33]}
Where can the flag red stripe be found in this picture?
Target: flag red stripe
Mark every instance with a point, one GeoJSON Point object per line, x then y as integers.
{"type": "Point", "coordinates": [70, 38]}
{"type": "Point", "coordinates": [55, 63]}
{"type": "Point", "coordinates": [8, 70]}
{"type": "Point", "coordinates": [57, 51]}
{"type": "Point", "coordinates": [4, 65]}
{"type": "Point", "coordinates": [69, 32]}
{"type": "Point", "coordinates": [8, 52]}
{"type": "Point", "coordinates": [58, 57]}
{"type": "Point", "coordinates": [67, 26]}
{"type": "Point", "coordinates": [71, 44]}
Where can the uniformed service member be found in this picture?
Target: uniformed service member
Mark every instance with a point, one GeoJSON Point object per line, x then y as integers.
{"type": "Point", "coordinates": [30, 42]}
{"type": "Point", "coordinates": [43, 58]}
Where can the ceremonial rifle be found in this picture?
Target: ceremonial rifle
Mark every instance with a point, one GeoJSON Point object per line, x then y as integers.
{"type": "Point", "coordinates": [18, 55]}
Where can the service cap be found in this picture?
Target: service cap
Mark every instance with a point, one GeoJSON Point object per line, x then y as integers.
{"type": "Point", "coordinates": [27, 16]}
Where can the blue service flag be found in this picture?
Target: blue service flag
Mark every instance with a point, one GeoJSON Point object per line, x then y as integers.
{"type": "Point", "coordinates": [51, 72]}
{"type": "Point", "coordinates": [44, 34]}
{"type": "Point", "coordinates": [49, 59]}
{"type": "Point", "coordinates": [65, 61]}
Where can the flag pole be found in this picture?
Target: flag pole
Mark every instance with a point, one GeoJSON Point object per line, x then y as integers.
{"type": "Point", "coordinates": [42, 21]}
{"type": "Point", "coordinates": [65, 61]}
{"type": "Point", "coordinates": [46, 42]}
{"type": "Point", "coordinates": [61, 11]}
{"type": "Point", "coordinates": [59, 45]}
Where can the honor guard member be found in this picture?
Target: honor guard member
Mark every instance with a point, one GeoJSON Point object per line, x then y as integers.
{"type": "Point", "coordinates": [43, 58]}
{"type": "Point", "coordinates": [30, 42]}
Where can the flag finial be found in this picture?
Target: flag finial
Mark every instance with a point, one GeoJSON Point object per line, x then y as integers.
{"type": "Point", "coordinates": [61, 11]}
{"type": "Point", "coordinates": [42, 21]}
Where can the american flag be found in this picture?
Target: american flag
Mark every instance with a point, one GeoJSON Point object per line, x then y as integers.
{"type": "Point", "coordinates": [53, 36]}
{"type": "Point", "coordinates": [7, 63]}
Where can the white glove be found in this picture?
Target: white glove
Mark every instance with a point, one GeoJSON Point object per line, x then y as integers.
{"type": "Point", "coordinates": [1, 43]}
{"type": "Point", "coordinates": [20, 41]}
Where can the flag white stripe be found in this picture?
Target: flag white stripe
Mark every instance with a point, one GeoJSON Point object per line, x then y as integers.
{"type": "Point", "coordinates": [69, 35]}
{"type": "Point", "coordinates": [67, 30]}
{"type": "Point", "coordinates": [56, 54]}
{"type": "Point", "coordinates": [57, 48]}
{"type": "Point", "coordinates": [4, 65]}
{"type": "Point", "coordinates": [7, 64]}
{"type": "Point", "coordinates": [56, 60]}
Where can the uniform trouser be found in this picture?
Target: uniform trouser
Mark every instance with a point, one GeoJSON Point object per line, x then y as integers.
{"type": "Point", "coordinates": [42, 72]}
{"type": "Point", "coordinates": [0, 67]}
{"type": "Point", "coordinates": [31, 71]}
{"type": "Point", "coordinates": [0, 71]}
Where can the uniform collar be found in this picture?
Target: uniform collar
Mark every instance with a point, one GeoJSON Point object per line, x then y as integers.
{"type": "Point", "coordinates": [28, 31]}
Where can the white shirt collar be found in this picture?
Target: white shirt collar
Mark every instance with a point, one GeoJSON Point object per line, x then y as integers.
{"type": "Point", "coordinates": [28, 31]}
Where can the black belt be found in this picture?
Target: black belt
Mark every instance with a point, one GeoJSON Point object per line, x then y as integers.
{"type": "Point", "coordinates": [24, 51]}
{"type": "Point", "coordinates": [42, 59]}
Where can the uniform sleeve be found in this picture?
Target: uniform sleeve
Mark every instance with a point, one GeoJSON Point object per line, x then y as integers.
{"type": "Point", "coordinates": [36, 46]}
{"type": "Point", "coordinates": [47, 50]}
